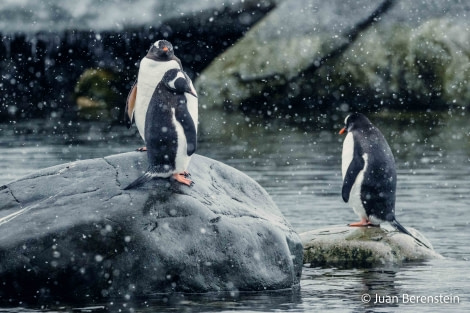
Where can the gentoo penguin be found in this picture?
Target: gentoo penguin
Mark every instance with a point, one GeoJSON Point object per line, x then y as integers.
{"type": "Point", "coordinates": [159, 59]}
{"type": "Point", "coordinates": [170, 129]}
{"type": "Point", "coordinates": [369, 174]}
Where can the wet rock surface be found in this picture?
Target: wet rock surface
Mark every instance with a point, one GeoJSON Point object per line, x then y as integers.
{"type": "Point", "coordinates": [349, 247]}
{"type": "Point", "coordinates": [70, 232]}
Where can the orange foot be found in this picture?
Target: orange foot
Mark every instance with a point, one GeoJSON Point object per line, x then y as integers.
{"type": "Point", "coordinates": [180, 177]}
{"type": "Point", "coordinates": [141, 149]}
{"type": "Point", "coordinates": [364, 222]}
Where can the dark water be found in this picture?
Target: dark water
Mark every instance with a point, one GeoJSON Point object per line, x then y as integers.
{"type": "Point", "coordinates": [301, 171]}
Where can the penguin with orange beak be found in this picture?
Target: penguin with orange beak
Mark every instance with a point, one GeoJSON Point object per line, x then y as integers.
{"type": "Point", "coordinates": [369, 174]}
{"type": "Point", "coordinates": [160, 58]}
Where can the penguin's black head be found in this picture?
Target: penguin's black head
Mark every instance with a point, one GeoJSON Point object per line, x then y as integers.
{"type": "Point", "coordinates": [355, 121]}
{"type": "Point", "coordinates": [178, 82]}
{"type": "Point", "coordinates": [161, 50]}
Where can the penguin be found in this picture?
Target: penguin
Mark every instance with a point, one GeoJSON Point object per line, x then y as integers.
{"type": "Point", "coordinates": [369, 174]}
{"type": "Point", "coordinates": [159, 59]}
{"type": "Point", "coordinates": [170, 129]}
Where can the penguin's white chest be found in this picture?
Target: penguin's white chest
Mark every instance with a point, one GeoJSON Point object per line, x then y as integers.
{"type": "Point", "coordinates": [348, 153]}
{"type": "Point", "coordinates": [182, 159]}
{"type": "Point", "coordinates": [150, 74]}
{"type": "Point", "coordinates": [355, 194]}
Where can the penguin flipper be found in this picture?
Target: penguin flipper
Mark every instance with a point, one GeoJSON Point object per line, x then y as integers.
{"type": "Point", "coordinates": [183, 116]}
{"type": "Point", "coordinates": [140, 181]}
{"type": "Point", "coordinates": [356, 165]}
{"type": "Point", "coordinates": [130, 104]}
{"type": "Point", "coordinates": [403, 230]}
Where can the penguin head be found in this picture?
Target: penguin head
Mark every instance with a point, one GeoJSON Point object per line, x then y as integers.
{"type": "Point", "coordinates": [177, 81]}
{"type": "Point", "coordinates": [355, 121]}
{"type": "Point", "coordinates": [161, 50]}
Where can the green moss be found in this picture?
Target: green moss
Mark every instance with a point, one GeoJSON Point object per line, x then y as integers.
{"type": "Point", "coordinates": [341, 256]}
{"type": "Point", "coordinates": [96, 95]}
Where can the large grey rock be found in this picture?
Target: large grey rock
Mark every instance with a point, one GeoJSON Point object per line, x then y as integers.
{"type": "Point", "coordinates": [344, 246]}
{"type": "Point", "coordinates": [70, 231]}
{"type": "Point", "coordinates": [414, 56]}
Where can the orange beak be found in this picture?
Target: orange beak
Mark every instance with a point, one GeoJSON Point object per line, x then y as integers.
{"type": "Point", "coordinates": [165, 49]}
{"type": "Point", "coordinates": [342, 131]}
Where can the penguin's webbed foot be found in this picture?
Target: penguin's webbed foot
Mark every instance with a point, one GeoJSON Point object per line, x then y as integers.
{"type": "Point", "coordinates": [362, 223]}
{"type": "Point", "coordinates": [142, 149]}
{"type": "Point", "coordinates": [181, 178]}
{"type": "Point", "coordinates": [186, 174]}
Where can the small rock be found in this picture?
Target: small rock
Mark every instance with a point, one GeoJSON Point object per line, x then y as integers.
{"type": "Point", "coordinates": [348, 247]}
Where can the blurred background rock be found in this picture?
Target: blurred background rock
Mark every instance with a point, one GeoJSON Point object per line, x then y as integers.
{"type": "Point", "coordinates": [286, 59]}
{"type": "Point", "coordinates": [48, 49]}
{"type": "Point", "coordinates": [322, 57]}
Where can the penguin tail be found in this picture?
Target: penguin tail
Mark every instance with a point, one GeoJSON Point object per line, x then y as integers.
{"type": "Point", "coordinates": [140, 181]}
{"type": "Point", "coordinates": [403, 230]}
{"type": "Point", "coordinates": [129, 120]}
{"type": "Point", "coordinates": [129, 123]}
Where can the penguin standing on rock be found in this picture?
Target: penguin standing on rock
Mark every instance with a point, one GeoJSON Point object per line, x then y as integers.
{"type": "Point", "coordinates": [369, 174]}
{"type": "Point", "coordinates": [159, 59]}
{"type": "Point", "coordinates": [170, 129]}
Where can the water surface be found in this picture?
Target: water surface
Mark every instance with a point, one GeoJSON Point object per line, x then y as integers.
{"type": "Point", "coordinates": [300, 169]}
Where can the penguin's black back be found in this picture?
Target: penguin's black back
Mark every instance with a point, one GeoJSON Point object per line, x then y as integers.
{"type": "Point", "coordinates": [378, 189]}
{"type": "Point", "coordinates": [160, 132]}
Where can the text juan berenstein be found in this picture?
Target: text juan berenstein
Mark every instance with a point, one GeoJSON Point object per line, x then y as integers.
{"type": "Point", "coordinates": [407, 298]}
